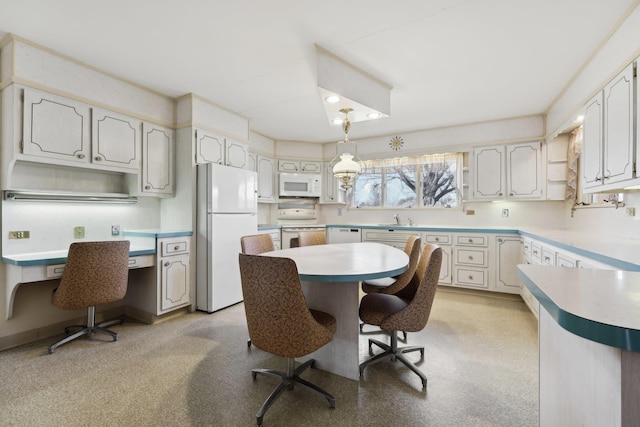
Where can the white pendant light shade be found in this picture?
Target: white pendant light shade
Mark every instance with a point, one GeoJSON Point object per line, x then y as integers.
{"type": "Point", "coordinates": [346, 170]}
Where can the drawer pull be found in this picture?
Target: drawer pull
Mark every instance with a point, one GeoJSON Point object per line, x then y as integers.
{"type": "Point", "coordinates": [470, 257]}
{"type": "Point", "coordinates": [547, 258]}
{"type": "Point", "coordinates": [437, 239]}
{"type": "Point", "coordinates": [470, 240]}
{"type": "Point", "coordinates": [535, 252]}
{"type": "Point", "coordinates": [175, 248]}
{"type": "Point", "coordinates": [470, 277]}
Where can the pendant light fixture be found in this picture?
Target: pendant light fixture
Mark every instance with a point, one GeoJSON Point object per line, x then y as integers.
{"type": "Point", "coordinates": [347, 169]}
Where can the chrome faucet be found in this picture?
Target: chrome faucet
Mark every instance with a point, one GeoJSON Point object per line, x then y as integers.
{"type": "Point", "coordinates": [397, 218]}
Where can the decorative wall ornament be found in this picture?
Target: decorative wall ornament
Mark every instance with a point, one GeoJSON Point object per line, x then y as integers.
{"type": "Point", "coordinates": [396, 143]}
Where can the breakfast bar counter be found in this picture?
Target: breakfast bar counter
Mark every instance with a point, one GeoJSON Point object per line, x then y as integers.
{"type": "Point", "coordinates": [589, 344]}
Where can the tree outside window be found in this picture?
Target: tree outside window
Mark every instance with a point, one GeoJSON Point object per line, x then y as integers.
{"type": "Point", "coordinates": [426, 181]}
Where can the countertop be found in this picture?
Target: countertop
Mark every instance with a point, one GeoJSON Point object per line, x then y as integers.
{"type": "Point", "coordinates": [143, 242]}
{"type": "Point", "coordinates": [599, 305]}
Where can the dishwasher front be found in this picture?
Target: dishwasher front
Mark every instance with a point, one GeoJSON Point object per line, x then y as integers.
{"type": "Point", "coordinates": [343, 235]}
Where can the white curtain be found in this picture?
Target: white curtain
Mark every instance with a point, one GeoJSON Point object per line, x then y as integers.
{"type": "Point", "coordinates": [573, 157]}
{"type": "Point", "coordinates": [449, 158]}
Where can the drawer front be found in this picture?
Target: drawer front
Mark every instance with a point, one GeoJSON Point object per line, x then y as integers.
{"type": "Point", "coordinates": [475, 257]}
{"type": "Point", "coordinates": [566, 261]}
{"type": "Point", "coordinates": [439, 239]}
{"type": "Point", "coordinates": [470, 240]}
{"type": "Point", "coordinates": [174, 247]}
{"type": "Point", "coordinates": [536, 253]}
{"type": "Point", "coordinates": [54, 271]}
{"type": "Point", "coordinates": [548, 257]}
{"type": "Point", "coordinates": [142, 261]}
{"type": "Point", "coordinates": [526, 246]}
{"type": "Point", "coordinates": [470, 277]}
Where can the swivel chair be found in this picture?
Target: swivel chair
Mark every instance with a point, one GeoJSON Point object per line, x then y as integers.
{"type": "Point", "coordinates": [280, 322]}
{"type": "Point", "coordinates": [407, 310]}
{"type": "Point", "coordinates": [95, 273]}
{"type": "Point", "coordinates": [310, 238]}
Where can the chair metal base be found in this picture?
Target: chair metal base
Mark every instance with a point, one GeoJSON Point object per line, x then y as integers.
{"type": "Point", "coordinates": [393, 352]}
{"type": "Point", "coordinates": [89, 329]}
{"type": "Point", "coordinates": [404, 334]}
{"type": "Point", "coordinates": [287, 380]}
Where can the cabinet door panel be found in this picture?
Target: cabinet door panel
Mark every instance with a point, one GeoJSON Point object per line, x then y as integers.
{"type": "Point", "coordinates": [266, 178]}
{"type": "Point", "coordinates": [445, 268]}
{"type": "Point", "coordinates": [489, 173]}
{"type": "Point", "coordinates": [209, 148]}
{"type": "Point", "coordinates": [591, 158]}
{"type": "Point", "coordinates": [115, 139]}
{"type": "Point", "coordinates": [523, 171]}
{"type": "Point", "coordinates": [618, 128]}
{"type": "Point", "coordinates": [158, 153]}
{"type": "Point", "coordinates": [508, 256]}
{"type": "Point", "coordinates": [175, 282]}
{"type": "Point", "coordinates": [236, 153]}
{"type": "Point", "coordinates": [55, 127]}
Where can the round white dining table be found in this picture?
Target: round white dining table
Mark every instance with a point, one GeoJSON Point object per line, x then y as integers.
{"type": "Point", "coordinates": [330, 276]}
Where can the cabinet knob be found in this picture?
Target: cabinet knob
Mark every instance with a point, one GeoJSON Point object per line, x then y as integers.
{"type": "Point", "coordinates": [167, 264]}
{"type": "Point", "coordinates": [499, 194]}
{"type": "Point", "coordinates": [97, 158]}
{"type": "Point", "coordinates": [80, 156]}
{"type": "Point", "coordinates": [147, 187]}
{"type": "Point", "coordinates": [175, 248]}
{"type": "Point", "coordinates": [470, 240]}
{"type": "Point", "coordinates": [470, 257]}
{"type": "Point", "coordinates": [470, 277]}
{"type": "Point", "coordinates": [500, 240]}
{"type": "Point", "coordinates": [437, 239]}
{"type": "Point", "coordinates": [219, 162]}
{"type": "Point", "coordinates": [547, 258]}
{"type": "Point", "coordinates": [510, 194]}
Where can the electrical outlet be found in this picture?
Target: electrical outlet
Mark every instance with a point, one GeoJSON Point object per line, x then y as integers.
{"type": "Point", "coordinates": [631, 211]}
{"type": "Point", "coordinates": [115, 230]}
{"type": "Point", "coordinates": [78, 232]}
{"type": "Point", "coordinates": [505, 213]}
{"type": "Point", "coordinates": [470, 212]}
{"type": "Point", "coordinates": [19, 234]}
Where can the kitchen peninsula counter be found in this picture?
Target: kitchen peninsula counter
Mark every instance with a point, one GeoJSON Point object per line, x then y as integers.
{"type": "Point", "coordinates": [589, 344]}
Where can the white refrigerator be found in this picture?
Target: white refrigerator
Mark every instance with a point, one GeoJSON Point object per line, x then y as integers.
{"type": "Point", "coordinates": [227, 202]}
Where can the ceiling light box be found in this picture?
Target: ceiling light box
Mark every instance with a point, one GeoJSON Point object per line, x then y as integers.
{"type": "Point", "coordinates": [358, 90]}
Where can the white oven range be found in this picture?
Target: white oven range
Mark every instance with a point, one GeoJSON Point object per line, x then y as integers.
{"type": "Point", "coordinates": [295, 215]}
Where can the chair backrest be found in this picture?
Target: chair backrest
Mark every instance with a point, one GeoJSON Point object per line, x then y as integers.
{"type": "Point", "coordinates": [278, 318]}
{"type": "Point", "coordinates": [420, 292]}
{"type": "Point", "coordinates": [95, 273]}
{"type": "Point", "coordinates": [256, 244]}
{"type": "Point", "coordinates": [310, 238]}
{"type": "Point", "coordinates": [412, 248]}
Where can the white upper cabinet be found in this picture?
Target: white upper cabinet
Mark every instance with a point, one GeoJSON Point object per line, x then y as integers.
{"type": "Point", "coordinates": [266, 168]}
{"type": "Point", "coordinates": [214, 148]}
{"type": "Point", "coordinates": [303, 166]}
{"type": "Point", "coordinates": [608, 150]}
{"type": "Point", "coordinates": [115, 139]}
{"type": "Point", "coordinates": [56, 127]}
{"type": "Point", "coordinates": [158, 152]}
{"type": "Point", "coordinates": [331, 191]}
{"type": "Point", "coordinates": [508, 172]}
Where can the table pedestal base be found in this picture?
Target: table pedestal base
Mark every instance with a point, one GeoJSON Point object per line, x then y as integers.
{"type": "Point", "coordinates": [340, 299]}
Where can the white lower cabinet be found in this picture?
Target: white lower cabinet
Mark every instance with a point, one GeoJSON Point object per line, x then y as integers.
{"type": "Point", "coordinates": [174, 273]}
{"type": "Point", "coordinates": [392, 237]}
{"type": "Point", "coordinates": [470, 260]}
{"type": "Point", "coordinates": [444, 241]}
{"type": "Point", "coordinates": [508, 250]}
{"type": "Point", "coordinates": [164, 288]}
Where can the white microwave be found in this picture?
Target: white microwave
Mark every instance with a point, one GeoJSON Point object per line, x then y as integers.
{"type": "Point", "coordinates": [299, 185]}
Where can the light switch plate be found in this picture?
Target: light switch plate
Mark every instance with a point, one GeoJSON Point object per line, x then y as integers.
{"type": "Point", "coordinates": [115, 230]}
{"type": "Point", "coordinates": [78, 232]}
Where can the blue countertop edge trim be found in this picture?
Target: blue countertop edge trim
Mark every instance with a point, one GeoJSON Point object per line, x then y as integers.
{"type": "Point", "coordinates": [351, 278]}
{"type": "Point", "coordinates": [614, 262]}
{"type": "Point", "coordinates": [622, 265]}
{"type": "Point", "coordinates": [269, 227]}
{"type": "Point", "coordinates": [49, 261]}
{"type": "Point", "coordinates": [157, 234]}
{"type": "Point", "coordinates": [614, 336]}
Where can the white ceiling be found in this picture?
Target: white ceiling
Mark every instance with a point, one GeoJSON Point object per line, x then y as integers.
{"type": "Point", "coordinates": [449, 61]}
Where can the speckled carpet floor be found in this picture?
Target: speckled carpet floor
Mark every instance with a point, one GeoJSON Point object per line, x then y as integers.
{"type": "Point", "coordinates": [194, 370]}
